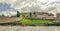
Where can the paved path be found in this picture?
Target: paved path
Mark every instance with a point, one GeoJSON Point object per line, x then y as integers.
{"type": "Point", "coordinates": [29, 28]}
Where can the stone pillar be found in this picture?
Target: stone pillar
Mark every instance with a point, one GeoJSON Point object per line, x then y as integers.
{"type": "Point", "coordinates": [57, 17]}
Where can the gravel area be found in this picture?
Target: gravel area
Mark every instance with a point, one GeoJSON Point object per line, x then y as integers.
{"type": "Point", "coordinates": [30, 28]}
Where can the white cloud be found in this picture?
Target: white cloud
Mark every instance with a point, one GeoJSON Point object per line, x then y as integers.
{"type": "Point", "coordinates": [6, 9]}
{"type": "Point", "coordinates": [43, 5]}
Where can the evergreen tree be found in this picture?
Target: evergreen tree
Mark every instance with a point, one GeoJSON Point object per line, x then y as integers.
{"type": "Point", "coordinates": [34, 13]}
{"type": "Point", "coordinates": [30, 14]}
{"type": "Point", "coordinates": [2, 14]}
{"type": "Point", "coordinates": [18, 14]}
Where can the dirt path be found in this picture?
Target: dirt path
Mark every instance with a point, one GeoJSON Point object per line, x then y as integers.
{"type": "Point", "coordinates": [7, 19]}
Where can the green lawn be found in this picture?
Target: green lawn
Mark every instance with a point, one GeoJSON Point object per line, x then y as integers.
{"type": "Point", "coordinates": [34, 21]}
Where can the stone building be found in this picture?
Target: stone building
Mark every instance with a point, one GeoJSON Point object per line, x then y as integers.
{"type": "Point", "coordinates": [40, 15]}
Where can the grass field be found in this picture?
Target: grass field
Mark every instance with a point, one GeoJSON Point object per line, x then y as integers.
{"type": "Point", "coordinates": [33, 21]}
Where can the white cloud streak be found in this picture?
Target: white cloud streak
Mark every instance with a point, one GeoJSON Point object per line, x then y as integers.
{"type": "Point", "coordinates": [50, 6]}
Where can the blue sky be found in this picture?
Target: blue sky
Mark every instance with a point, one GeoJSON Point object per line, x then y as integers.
{"type": "Point", "coordinates": [30, 5]}
{"type": "Point", "coordinates": [5, 6]}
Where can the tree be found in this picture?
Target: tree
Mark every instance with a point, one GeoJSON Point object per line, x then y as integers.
{"type": "Point", "coordinates": [18, 14]}
{"type": "Point", "coordinates": [2, 14]}
{"type": "Point", "coordinates": [30, 14]}
{"type": "Point", "coordinates": [34, 13]}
